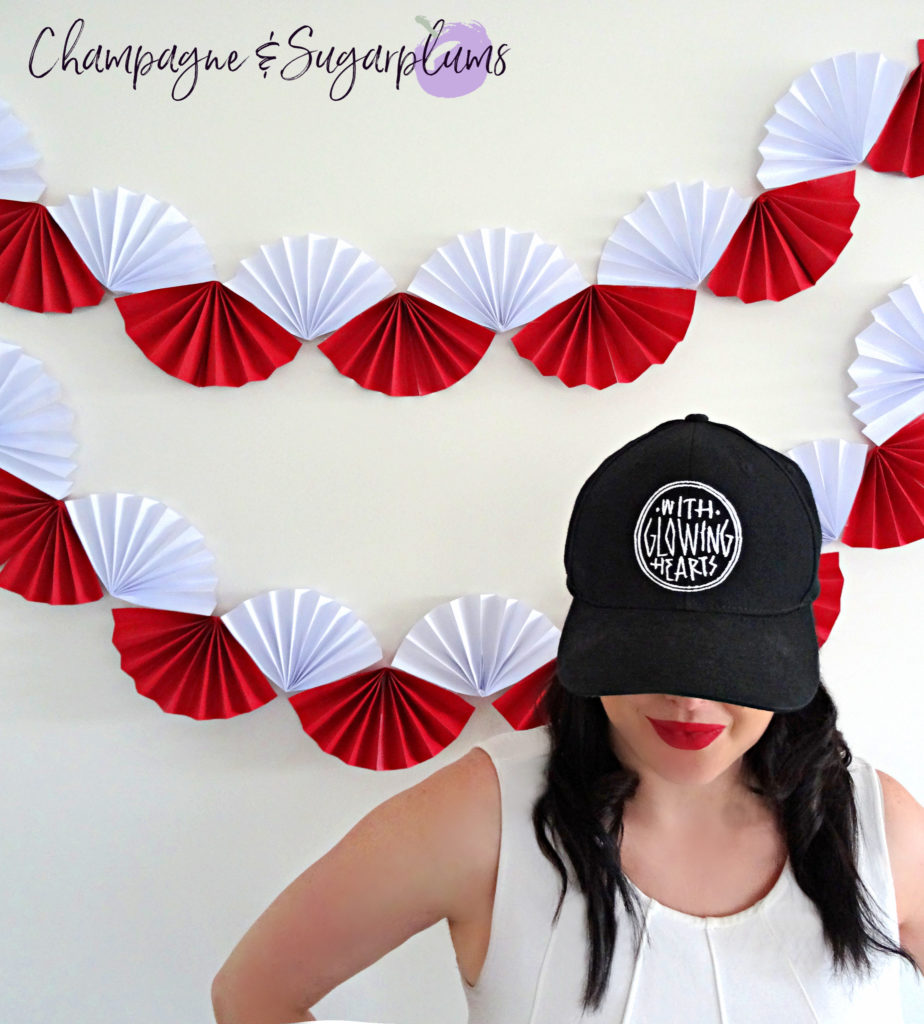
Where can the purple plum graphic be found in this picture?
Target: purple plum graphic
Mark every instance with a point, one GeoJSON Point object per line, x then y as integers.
{"type": "Point", "coordinates": [454, 58]}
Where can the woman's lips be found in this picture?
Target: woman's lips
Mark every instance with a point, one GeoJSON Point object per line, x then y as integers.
{"type": "Point", "coordinates": [686, 735]}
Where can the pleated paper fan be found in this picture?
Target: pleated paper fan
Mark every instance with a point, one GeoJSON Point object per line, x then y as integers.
{"type": "Point", "coordinates": [146, 553]}
{"type": "Point", "coordinates": [789, 238]}
{"type": "Point", "coordinates": [206, 335]}
{"type": "Point", "coordinates": [497, 277]}
{"type": "Point", "coordinates": [301, 638]}
{"type": "Point", "coordinates": [833, 468]}
{"type": "Point", "coordinates": [35, 428]}
{"type": "Point", "coordinates": [188, 664]}
{"type": "Point", "coordinates": [133, 242]}
{"type": "Point", "coordinates": [311, 285]}
{"type": "Point", "coordinates": [382, 718]}
{"type": "Point", "coordinates": [521, 704]}
{"type": "Point", "coordinates": [889, 507]}
{"type": "Point", "coordinates": [889, 368]}
{"type": "Point", "coordinates": [830, 118]}
{"type": "Point", "coordinates": [900, 146]}
{"type": "Point", "coordinates": [827, 606]}
{"type": "Point", "coordinates": [39, 268]}
{"type": "Point", "coordinates": [405, 345]}
{"type": "Point", "coordinates": [44, 558]}
{"type": "Point", "coordinates": [478, 644]}
{"type": "Point", "coordinates": [607, 334]}
{"type": "Point", "coordinates": [18, 158]}
{"type": "Point", "coordinates": [674, 238]}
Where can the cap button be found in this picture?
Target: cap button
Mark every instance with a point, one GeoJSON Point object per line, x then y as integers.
{"type": "Point", "coordinates": [696, 417]}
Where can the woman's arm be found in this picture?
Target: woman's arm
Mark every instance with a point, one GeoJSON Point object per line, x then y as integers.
{"type": "Point", "coordinates": [904, 824]}
{"type": "Point", "coordinates": [426, 854]}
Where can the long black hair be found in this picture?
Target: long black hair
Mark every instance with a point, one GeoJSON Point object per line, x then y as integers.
{"type": "Point", "coordinates": [799, 765]}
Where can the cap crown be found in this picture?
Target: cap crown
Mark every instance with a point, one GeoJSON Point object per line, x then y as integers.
{"type": "Point", "coordinates": [695, 516]}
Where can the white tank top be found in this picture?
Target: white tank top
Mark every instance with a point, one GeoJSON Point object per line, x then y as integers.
{"type": "Point", "coordinates": [767, 964]}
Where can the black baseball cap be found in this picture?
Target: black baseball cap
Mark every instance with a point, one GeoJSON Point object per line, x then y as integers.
{"type": "Point", "coordinates": [692, 557]}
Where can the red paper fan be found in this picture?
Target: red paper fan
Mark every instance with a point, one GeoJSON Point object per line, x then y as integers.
{"type": "Point", "coordinates": [520, 704]}
{"type": "Point", "coordinates": [39, 268]}
{"type": "Point", "coordinates": [789, 237]}
{"type": "Point", "coordinates": [900, 146]}
{"type": "Point", "coordinates": [206, 334]}
{"type": "Point", "coordinates": [827, 606]}
{"type": "Point", "coordinates": [889, 507]}
{"type": "Point", "coordinates": [607, 333]}
{"type": "Point", "coordinates": [45, 560]}
{"type": "Point", "coordinates": [188, 664]}
{"type": "Point", "coordinates": [382, 718]}
{"type": "Point", "coordinates": [405, 345]}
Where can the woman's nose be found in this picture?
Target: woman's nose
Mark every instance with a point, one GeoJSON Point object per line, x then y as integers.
{"type": "Point", "coordinates": [690, 703]}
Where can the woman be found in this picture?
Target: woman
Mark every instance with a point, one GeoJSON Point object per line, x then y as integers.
{"type": "Point", "coordinates": [689, 840]}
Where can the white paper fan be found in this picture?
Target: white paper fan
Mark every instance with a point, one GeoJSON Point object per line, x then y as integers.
{"type": "Point", "coordinates": [497, 277]}
{"type": "Point", "coordinates": [145, 553]}
{"type": "Point", "coordinates": [478, 644]}
{"type": "Point", "coordinates": [35, 428]}
{"type": "Point", "coordinates": [830, 118]}
{"type": "Point", "coordinates": [133, 242]}
{"type": "Point", "coordinates": [18, 157]}
{"type": "Point", "coordinates": [674, 238]}
{"type": "Point", "coordinates": [833, 468]}
{"type": "Point", "coordinates": [311, 285]}
{"type": "Point", "coordinates": [889, 370]}
{"type": "Point", "coordinates": [301, 638]}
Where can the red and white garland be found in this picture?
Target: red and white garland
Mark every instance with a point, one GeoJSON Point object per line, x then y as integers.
{"type": "Point", "coordinates": [309, 647]}
{"type": "Point", "coordinates": [425, 339]}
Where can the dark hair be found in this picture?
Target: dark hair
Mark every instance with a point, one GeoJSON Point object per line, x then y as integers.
{"type": "Point", "coordinates": [799, 765]}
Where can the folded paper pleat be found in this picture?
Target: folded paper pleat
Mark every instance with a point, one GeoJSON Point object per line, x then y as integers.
{"type": "Point", "coordinates": [900, 146]}
{"type": "Point", "coordinates": [45, 560]}
{"type": "Point", "coordinates": [188, 664]}
{"type": "Point", "coordinates": [889, 507]}
{"type": "Point", "coordinates": [607, 334]}
{"type": "Point", "coordinates": [206, 335]}
{"type": "Point", "coordinates": [405, 345]}
{"type": "Point", "coordinates": [39, 268]}
{"type": "Point", "coordinates": [827, 606]}
{"type": "Point", "coordinates": [789, 238]}
{"type": "Point", "coordinates": [382, 718]}
{"type": "Point", "coordinates": [521, 705]}
{"type": "Point", "coordinates": [36, 441]}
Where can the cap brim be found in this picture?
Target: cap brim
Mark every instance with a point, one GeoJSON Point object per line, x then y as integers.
{"type": "Point", "coordinates": [760, 661]}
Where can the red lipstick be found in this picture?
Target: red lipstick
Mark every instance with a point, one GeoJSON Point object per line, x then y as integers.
{"type": "Point", "coordinates": [686, 735]}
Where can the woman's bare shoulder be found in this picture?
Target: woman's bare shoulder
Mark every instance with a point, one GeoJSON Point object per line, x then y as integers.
{"type": "Point", "coordinates": [904, 826]}
{"type": "Point", "coordinates": [427, 853]}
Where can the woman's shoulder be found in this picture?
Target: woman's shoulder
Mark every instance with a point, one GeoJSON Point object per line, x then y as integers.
{"type": "Point", "coordinates": [904, 829]}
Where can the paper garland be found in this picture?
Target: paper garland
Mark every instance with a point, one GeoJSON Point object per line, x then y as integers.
{"type": "Point", "coordinates": [132, 242]}
{"type": "Point", "coordinates": [900, 147]}
{"type": "Point", "coordinates": [314, 649]}
{"type": "Point", "coordinates": [188, 664]}
{"type": "Point", "coordinates": [789, 238]}
{"type": "Point", "coordinates": [607, 333]}
{"type": "Point", "coordinates": [784, 242]}
{"type": "Point", "coordinates": [494, 279]}
{"type": "Point", "coordinates": [45, 560]}
{"type": "Point", "coordinates": [830, 118]}
{"type": "Point", "coordinates": [39, 268]}
{"type": "Point", "coordinates": [889, 368]}
{"type": "Point", "coordinates": [206, 334]}
{"type": "Point", "coordinates": [382, 718]}
{"type": "Point", "coordinates": [35, 428]}
{"type": "Point", "coordinates": [405, 345]}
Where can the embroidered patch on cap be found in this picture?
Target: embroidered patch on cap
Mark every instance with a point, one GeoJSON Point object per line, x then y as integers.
{"type": "Point", "coordinates": [688, 536]}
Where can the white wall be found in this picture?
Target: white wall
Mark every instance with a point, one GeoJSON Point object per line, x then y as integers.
{"type": "Point", "coordinates": [137, 846]}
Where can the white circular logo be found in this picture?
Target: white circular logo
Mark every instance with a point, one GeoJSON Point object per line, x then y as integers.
{"type": "Point", "coordinates": [688, 536]}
